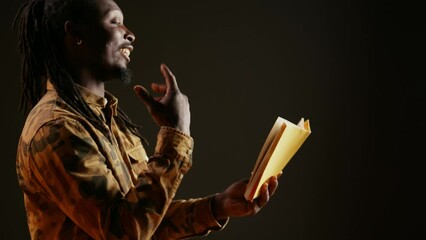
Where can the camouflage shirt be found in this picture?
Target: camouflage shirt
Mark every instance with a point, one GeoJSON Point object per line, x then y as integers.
{"type": "Point", "coordinates": [78, 183]}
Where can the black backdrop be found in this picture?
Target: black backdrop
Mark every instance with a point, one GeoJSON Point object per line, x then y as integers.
{"type": "Point", "coordinates": [342, 64]}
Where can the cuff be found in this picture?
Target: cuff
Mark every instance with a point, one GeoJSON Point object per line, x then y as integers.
{"type": "Point", "coordinates": [174, 144]}
{"type": "Point", "coordinates": [204, 218]}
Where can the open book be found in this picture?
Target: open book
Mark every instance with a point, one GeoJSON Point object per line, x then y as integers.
{"type": "Point", "coordinates": [283, 141]}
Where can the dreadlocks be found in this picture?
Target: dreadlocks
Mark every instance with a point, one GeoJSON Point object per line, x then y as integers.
{"type": "Point", "coordinates": [40, 34]}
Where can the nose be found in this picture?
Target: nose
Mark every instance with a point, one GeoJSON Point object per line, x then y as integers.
{"type": "Point", "coordinates": [129, 36]}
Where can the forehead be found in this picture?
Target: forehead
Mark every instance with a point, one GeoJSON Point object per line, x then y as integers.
{"type": "Point", "coordinates": [105, 7]}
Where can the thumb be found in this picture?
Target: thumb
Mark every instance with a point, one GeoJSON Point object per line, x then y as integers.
{"type": "Point", "coordinates": [143, 94]}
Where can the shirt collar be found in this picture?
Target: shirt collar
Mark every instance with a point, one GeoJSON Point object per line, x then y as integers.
{"type": "Point", "coordinates": [93, 99]}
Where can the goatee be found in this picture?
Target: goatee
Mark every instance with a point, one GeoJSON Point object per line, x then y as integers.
{"type": "Point", "coordinates": [125, 75]}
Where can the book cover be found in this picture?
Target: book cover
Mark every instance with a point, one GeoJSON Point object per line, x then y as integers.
{"type": "Point", "coordinates": [283, 141]}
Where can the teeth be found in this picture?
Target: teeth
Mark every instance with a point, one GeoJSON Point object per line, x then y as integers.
{"type": "Point", "coordinates": [125, 51]}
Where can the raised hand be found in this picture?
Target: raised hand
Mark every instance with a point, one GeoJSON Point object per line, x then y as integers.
{"type": "Point", "coordinates": [172, 108]}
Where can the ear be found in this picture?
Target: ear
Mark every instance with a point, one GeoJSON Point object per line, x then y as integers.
{"type": "Point", "coordinates": [72, 31]}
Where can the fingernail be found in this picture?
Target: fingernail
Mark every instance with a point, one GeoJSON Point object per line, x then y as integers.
{"type": "Point", "coordinates": [137, 89]}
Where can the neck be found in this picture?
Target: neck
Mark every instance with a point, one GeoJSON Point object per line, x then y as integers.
{"type": "Point", "coordinates": [97, 88]}
{"type": "Point", "coordinates": [87, 80]}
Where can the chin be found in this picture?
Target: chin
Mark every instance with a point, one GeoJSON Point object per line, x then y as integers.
{"type": "Point", "coordinates": [125, 75]}
{"type": "Point", "coordinates": [121, 74]}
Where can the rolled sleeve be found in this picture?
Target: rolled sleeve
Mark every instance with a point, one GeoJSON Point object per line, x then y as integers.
{"type": "Point", "coordinates": [204, 220]}
{"type": "Point", "coordinates": [189, 218]}
{"type": "Point", "coordinates": [174, 144]}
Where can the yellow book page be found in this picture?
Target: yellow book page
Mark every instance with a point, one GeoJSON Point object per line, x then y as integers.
{"type": "Point", "coordinates": [286, 146]}
{"type": "Point", "coordinates": [276, 129]}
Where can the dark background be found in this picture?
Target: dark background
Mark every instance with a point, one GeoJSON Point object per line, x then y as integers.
{"type": "Point", "coordinates": [348, 66]}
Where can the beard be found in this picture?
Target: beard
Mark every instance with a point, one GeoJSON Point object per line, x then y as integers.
{"type": "Point", "coordinates": [125, 76]}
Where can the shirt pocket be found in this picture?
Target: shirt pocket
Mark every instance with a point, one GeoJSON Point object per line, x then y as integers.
{"type": "Point", "coordinates": [138, 159]}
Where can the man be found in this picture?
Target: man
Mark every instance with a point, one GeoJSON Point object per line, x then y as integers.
{"type": "Point", "coordinates": [81, 163]}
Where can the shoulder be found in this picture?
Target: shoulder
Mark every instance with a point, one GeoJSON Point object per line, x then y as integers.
{"type": "Point", "coordinates": [50, 116]}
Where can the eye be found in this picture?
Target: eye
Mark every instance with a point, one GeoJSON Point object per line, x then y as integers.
{"type": "Point", "coordinates": [116, 22]}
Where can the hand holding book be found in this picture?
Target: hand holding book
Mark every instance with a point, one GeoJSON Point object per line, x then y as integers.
{"type": "Point", "coordinates": [231, 202]}
{"type": "Point", "coordinates": [244, 198]}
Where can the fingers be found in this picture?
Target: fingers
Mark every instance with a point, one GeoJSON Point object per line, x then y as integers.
{"type": "Point", "coordinates": [144, 95]}
{"type": "Point", "coordinates": [159, 88]}
{"type": "Point", "coordinates": [273, 185]}
{"type": "Point", "coordinates": [267, 190]}
{"type": "Point", "coordinates": [256, 208]}
{"type": "Point", "coordinates": [264, 196]}
{"type": "Point", "coordinates": [171, 83]}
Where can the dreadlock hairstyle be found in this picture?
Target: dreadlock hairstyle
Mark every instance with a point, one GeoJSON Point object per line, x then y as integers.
{"type": "Point", "coordinates": [40, 35]}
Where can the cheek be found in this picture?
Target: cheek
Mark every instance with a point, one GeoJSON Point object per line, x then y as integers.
{"type": "Point", "coordinates": [110, 53]}
{"type": "Point", "coordinates": [109, 49]}
{"type": "Point", "coordinates": [112, 49]}
{"type": "Point", "coordinates": [106, 46]}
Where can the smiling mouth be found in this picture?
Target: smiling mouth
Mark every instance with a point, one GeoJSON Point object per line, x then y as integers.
{"type": "Point", "coordinates": [125, 52]}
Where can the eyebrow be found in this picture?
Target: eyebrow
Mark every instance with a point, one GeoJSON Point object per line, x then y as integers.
{"type": "Point", "coordinates": [110, 10]}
